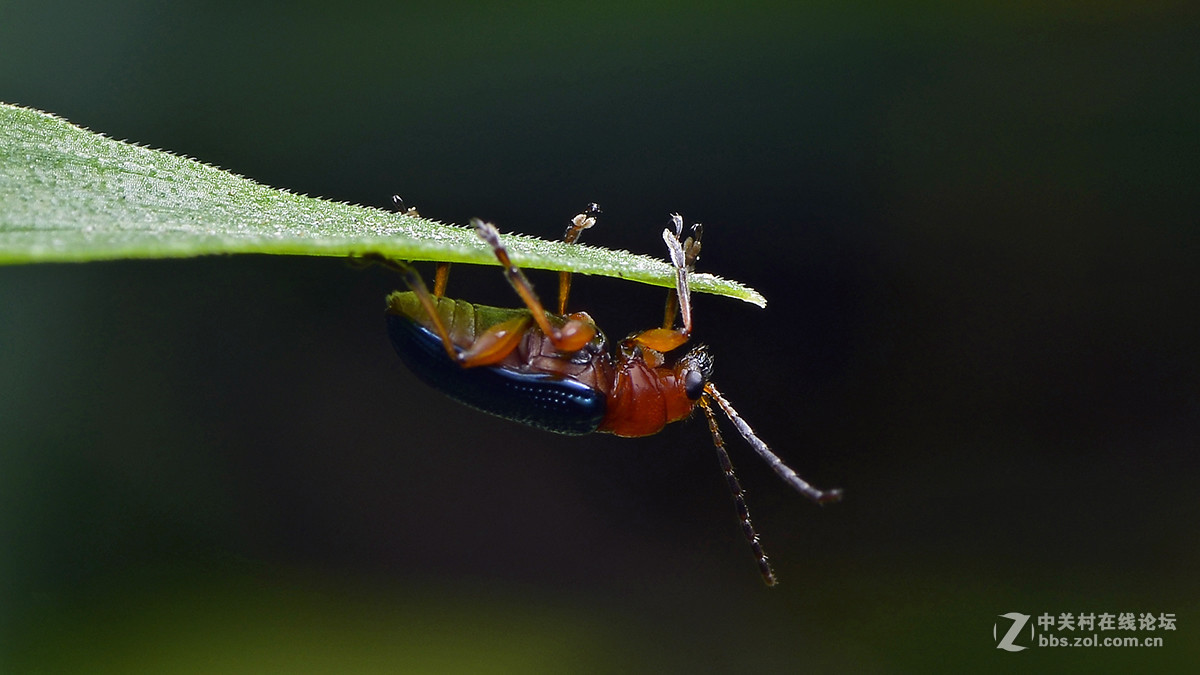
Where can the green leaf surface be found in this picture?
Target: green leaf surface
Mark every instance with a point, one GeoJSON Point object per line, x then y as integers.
{"type": "Point", "coordinates": [70, 195]}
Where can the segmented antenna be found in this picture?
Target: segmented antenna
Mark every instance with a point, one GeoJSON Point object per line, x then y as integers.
{"type": "Point", "coordinates": [783, 470]}
{"type": "Point", "coordinates": [739, 496]}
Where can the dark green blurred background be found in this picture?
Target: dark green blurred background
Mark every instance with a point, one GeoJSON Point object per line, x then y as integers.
{"type": "Point", "coordinates": [977, 229]}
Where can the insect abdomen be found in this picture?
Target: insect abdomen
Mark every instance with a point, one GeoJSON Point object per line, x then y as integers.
{"type": "Point", "coordinates": [549, 402]}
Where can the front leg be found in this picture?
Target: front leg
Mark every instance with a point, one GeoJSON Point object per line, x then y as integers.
{"type": "Point", "coordinates": [683, 257]}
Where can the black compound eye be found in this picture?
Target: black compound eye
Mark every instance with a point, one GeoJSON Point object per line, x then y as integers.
{"type": "Point", "coordinates": [693, 384]}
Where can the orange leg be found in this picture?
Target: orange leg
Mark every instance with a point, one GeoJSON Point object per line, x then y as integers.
{"type": "Point", "coordinates": [440, 278]}
{"type": "Point", "coordinates": [573, 335]}
{"type": "Point", "coordinates": [495, 343]}
{"type": "Point", "coordinates": [579, 223]}
{"type": "Point", "coordinates": [489, 347]}
{"type": "Point", "coordinates": [443, 268]}
{"type": "Point", "coordinates": [683, 257]}
{"type": "Point", "coordinates": [417, 285]}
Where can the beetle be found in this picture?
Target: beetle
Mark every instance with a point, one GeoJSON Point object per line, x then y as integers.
{"type": "Point", "coordinates": [554, 370]}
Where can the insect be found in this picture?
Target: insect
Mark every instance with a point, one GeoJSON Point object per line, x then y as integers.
{"type": "Point", "coordinates": [554, 370]}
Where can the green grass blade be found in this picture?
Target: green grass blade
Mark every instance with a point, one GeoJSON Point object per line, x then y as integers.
{"type": "Point", "coordinates": [68, 194]}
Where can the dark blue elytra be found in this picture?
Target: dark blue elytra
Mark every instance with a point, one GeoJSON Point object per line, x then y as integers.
{"type": "Point", "coordinates": [557, 404]}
